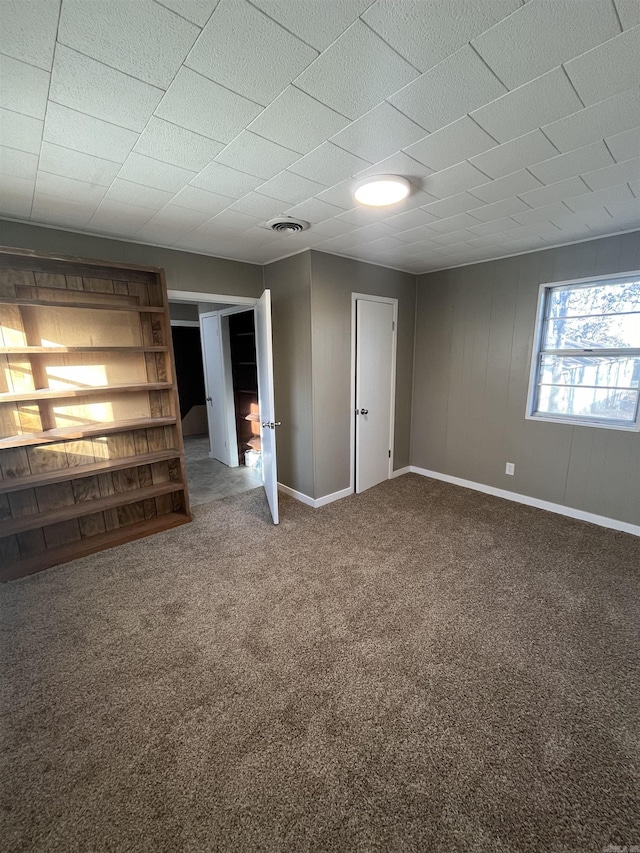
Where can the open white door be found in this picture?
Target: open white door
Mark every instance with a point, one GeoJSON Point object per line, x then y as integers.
{"type": "Point", "coordinates": [264, 359]}
{"type": "Point", "coordinates": [210, 334]}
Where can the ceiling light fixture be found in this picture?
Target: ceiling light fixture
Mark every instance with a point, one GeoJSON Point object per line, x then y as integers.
{"type": "Point", "coordinates": [381, 190]}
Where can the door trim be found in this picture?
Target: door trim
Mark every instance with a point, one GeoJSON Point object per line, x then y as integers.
{"type": "Point", "coordinates": [394, 347]}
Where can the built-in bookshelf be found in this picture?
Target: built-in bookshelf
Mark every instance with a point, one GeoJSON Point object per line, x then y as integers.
{"type": "Point", "coordinates": [91, 451]}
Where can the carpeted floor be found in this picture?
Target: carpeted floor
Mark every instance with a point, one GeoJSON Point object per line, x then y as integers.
{"type": "Point", "coordinates": [418, 668]}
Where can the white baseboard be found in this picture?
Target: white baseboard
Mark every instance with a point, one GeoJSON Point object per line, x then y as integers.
{"type": "Point", "coordinates": [314, 502]}
{"type": "Point", "coordinates": [401, 471]}
{"type": "Point", "coordinates": [569, 511]}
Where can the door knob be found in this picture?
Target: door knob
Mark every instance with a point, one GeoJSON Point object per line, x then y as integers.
{"type": "Point", "coordinates": [270, 424]}
{"type": "Point", "coordinates": [364, 411]}
{"type": "Point", "coordinates": [209, 399]}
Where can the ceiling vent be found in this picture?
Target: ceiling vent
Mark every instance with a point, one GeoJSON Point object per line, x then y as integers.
{"type": "Point", "coordinates": [287, 225]}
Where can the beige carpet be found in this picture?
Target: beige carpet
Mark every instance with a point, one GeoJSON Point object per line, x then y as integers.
{"type": "Point", "coordinates": [418, 668]}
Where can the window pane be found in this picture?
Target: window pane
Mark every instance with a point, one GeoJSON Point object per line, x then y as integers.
{"type": "Point", "coordinates": [606, 403]}
{"type": "Point", "coordinates": [593, 332]}
{"type": "Point", "coordinates": [602, 371]}
{"type": "Point", "coordinates": [599, 299]}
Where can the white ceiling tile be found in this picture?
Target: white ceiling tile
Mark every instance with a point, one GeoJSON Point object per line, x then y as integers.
{"type": "Point", "coordinates": [460, 203]}
{"type": "Point", "coordinates": [382, 244]}
{"type": "Point", "coordinates": [356, 72]}
{"type": "Point", "coordinates": [203, 106]}
{"type": "Point", "coordinates": [333, 227]}
{"type": "Point", "coordinates": [611, 176]}
{"type": "Point", "coordinates": [626, 145]}
{"type": "Point", "coordinates": [259, 63]}
{"type": "Point", "coordinates": [201, 200]}
{"type": "Point", "coordinates": [28, 30]}
{"type": "Point", "coordinates": [20, 131]}
{"type": "Point", "coordinates": [340, 194]}
{"type": "Point", "coordinates": [23, 88]}
{"type": "Point", "coordinates": [170, 217]}
{"type": "Point", "coordinates": [81, 132]}
{"type": "Point", "coordinates": [314, 210]}
{"type": "Point", "coordinates": [297, 121]}
{"type": "Point", "coordinates": [154, 173]}
{"type": "Point", "coordinates": [594, 217]}
{"type": "Point", "coordinates": [69, 188]}
{"type": "Point", "coordinates": [289, 187]}
{"type": "Point", "coordinates": [600, 198]}
{"type": "Point", "coordinates": [176, 145]}
{"type": "Point", "coordinates": [453, 223]}
{"type": "Point", "coordinates": [629, 12]}
{"type": "Point", "coordinates": [555, 192]}
{"type": "Point", "coordinates": [410, 219]}
{"type": "Point", "coordinates": [457, 85]}
{"type": "Point", "coordinates": [328, 164]}
{"type": "Point", "coordinates": [318, 24]}
{"type": "Point", "coordinates": [608, 69]}
{"type": "Point", "coordinates": [454, 180]}
{"type": "Point", "coordinates": [506, 187]}
{"type": "Point", "coordinates": [452, 144]}
{"type": "Point", "coordinates": [16, 195]}
{"type": "Point", "coordinates": [256, 156]}
{"type": "Point", "coordinates": [373, 232]}
{"type": "Point", "coordinates": [536, 103]}
{"type": "Point", "coordinates": [260, 206]}
{"type": "Point", "coordinates": [114, 217]}
{"type": "Point", "coordinates": [75, 164]}
{"type": "Point", "coordinates": [426, 39]}
{"type": "Point", "coordinates": [537, 229]}
{"type": "Point", "coordinates": [498, 209]}
{"type": "Point", "coordinates": [360, 216]}
{"type": "Point", "coordinates": [453, 237]}
{"type": "Point", "coordinates": [512, 156]}
{"type": "Point", "coordinates": [573, 163]}
{"type": "Point", "coordinates": [487, 240]}
{"type": "Point", "coordinates": [547, 213]}
{"type": "Point", "coordinates": [130, 193]}
{"type": "Point", "coordinates": [597, 122]}
{"type": "Point", "coordinates": [624, 209]}
{"type": "Point", "coordinates": [399, 164]}
{"type": "Point", "coordinates": [205, 241]}
{"type": "Point", "coordinates": [233, 219]}
{"type": "Point", "coordinates": [260, 236]}
{"type": "Point", "coordinates": [196, 11]}
{"type": "Point", "coordinates": [222, 180]}
{"type": "Point", "coordinates": [378, 134]}
{"type": "Point", "coordinates": [62, 212]}
{"type": "Point", "coordinates": [339, 243]}
{"type": "Point", "coordinates": [95, 89]}
{"type": "Point", "coordinates": [19, 164]}
{"type": "Point", "coordinates": [496, 226]}
{"type": "Point", "coordinates": [142, 39]}
{"type": "Point", "coordinates": [542, 35]}
{"type": "Point", "coordinates": [417, 234]}
{"type": "Point", "coordinates": [165, 233]}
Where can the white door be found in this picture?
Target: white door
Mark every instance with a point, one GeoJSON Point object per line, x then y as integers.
{"type": "Point", "coordinates": [374, 391]}
{"type": "Point", "coordinates": [210, 334]}
{"type": "Point", "coordinates": [264, 359]}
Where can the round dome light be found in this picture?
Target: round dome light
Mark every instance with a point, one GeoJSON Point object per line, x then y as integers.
{"type": "Point", "coordinates": [381, 190]}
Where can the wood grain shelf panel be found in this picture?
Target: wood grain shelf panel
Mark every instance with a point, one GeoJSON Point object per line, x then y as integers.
{"type": "Point", "coordinates": [251, 417]}
{"type": "Point", "coordinates": [13, 526]}
{"type": "Point", "coordinates": [62, 554]}
{"type": "Point", "coordinates": [63, 350]}
{"type": "Point", "coordinates": [65, 393]}
{"type": "Point", "coordinates": [77, 472]}
{"type": "Point", "coordinates": [74, 432]}
{"type": "Point", "coordinates": [93, 306]}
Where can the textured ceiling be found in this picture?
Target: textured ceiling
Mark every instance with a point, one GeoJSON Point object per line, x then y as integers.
{"type": "Point", "coordinates": [188, 123]}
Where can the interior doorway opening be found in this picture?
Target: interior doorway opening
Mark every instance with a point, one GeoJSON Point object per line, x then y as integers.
{"type": "Point", "coordinates": [218, 409]}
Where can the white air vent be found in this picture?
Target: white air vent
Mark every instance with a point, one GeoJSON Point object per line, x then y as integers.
{"type": "Point", "coordinates": [287, 225]}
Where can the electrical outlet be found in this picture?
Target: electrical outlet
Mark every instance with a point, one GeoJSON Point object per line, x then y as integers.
{"type": "Point", "coordinates": [510, 468]}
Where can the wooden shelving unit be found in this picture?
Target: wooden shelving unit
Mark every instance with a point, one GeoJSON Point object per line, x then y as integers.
{"type": "Point", "coordinates": [91, 451]}
{"type": "Point", "coordinates": [245, 381]}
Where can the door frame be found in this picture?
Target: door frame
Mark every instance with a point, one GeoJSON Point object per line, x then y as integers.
{"type": "Point", "coordinates": [394, 351]}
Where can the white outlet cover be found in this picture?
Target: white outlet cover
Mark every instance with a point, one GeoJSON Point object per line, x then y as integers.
{"type": "Point", "coordinates": [510, 468]}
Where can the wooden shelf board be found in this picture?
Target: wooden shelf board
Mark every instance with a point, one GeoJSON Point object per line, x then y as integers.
{"type": "Point", "coordinates": [75, 432]}
{"type": "Point", "coordinates": [251, 417]}
{"type": "Point", "coordinates": [11, 526]}
{"type": "Point", "coordinates": [255, 443]}
{"type": "Point", "coordinates": [63, 393]}
{"type": "Point", "coordinates": [93, 306]}
{"type": "Point", "coordinates": [91, 544]}
{"type": "Point", "coordinates": [63, 350]}
{"type": "Point", "coordinates": [77, 472]}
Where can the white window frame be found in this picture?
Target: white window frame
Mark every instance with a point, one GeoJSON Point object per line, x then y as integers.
{"type": "Point", "coordinates": [537, 352]}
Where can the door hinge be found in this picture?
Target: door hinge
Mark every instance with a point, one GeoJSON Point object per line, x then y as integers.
{"type": "Point", "coordinates": [393, 325]}
{"type": "Point", "coordinates": [389, 454]}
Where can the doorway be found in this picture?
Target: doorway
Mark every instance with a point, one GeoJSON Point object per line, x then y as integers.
{"type": "Point", "coordinates": [225, 452]}
{"type": "Point", "coordinates": [374, 322]}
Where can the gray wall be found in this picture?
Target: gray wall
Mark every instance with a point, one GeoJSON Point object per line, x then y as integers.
{"type": "Point", "coordinates": [290, 283]}
{"type": "Point", "coordinates": [333, 279]}
{"type": "Point", "coordinates": [184, 270]}
{"type": "Point", "coordinates": [474, 335]}
{"type": "Point", "coordinates": [183, 311]}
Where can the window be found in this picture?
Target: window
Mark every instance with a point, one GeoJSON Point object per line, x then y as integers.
{"type": "Point", "coordinates": [586, 364]}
